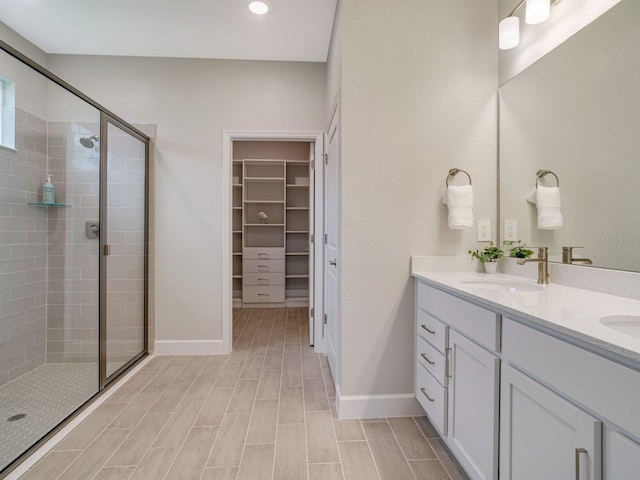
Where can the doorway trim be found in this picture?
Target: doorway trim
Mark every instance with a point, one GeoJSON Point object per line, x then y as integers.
{"type": "Point", "coordinates": [228, 137]}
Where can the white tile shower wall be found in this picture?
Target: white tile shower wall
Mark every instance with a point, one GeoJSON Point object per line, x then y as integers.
{"type": "Point", "coordinates": [23, 239]}
{"type": "Point", "coordinates": [73, 274]}
{"type": "Point", "coordinates": [125, 235]}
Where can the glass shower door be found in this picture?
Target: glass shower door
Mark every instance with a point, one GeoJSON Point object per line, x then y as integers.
{"type": "Point", "coordinates": [124, 247]}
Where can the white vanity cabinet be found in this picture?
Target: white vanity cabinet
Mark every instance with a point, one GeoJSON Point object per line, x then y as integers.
{"type": "Point", "coordinates": [457, 372]}
{"type": "Point", "coordinates": [544, 436]}
{"type": "Point", "coordinates": [562, 410]}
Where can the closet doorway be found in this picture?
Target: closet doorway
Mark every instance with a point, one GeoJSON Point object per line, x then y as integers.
{"type": "Point", "coordinates": [275, 226]}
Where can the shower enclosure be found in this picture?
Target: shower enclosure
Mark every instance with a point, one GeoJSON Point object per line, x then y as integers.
{"type": "Point", "coordinates": [73, 273]}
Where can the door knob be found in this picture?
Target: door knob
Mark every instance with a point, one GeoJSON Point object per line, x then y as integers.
{"type": "Point", "coordinates": [333, 262]}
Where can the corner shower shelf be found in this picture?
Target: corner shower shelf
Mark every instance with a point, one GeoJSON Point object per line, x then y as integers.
{"type": "Point", "coordinates": [49, 205]}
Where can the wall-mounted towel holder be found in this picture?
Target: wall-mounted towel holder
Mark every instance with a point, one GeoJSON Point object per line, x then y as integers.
{"type": "Point", "coordinates": [454, 171]}
{"type": "Point", "coordinates": [542, 173]}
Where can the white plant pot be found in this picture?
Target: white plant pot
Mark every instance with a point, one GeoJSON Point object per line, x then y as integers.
{"type": "Point", "coordinates": [490, 267]}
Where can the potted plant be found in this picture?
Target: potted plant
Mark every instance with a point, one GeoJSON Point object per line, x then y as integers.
{"type": "Point", "coordinates": [488, 257]}
{"type": "Point", "coordinates": [520, 250]}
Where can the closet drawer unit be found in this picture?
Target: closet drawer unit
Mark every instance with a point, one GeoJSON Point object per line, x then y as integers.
{"type": "Point", "coordinates": [259, 253]}
{"type": "Point", "coordinates": [472, 320]}
{"type": "Point", "coordinates": [432, 329]}
{"type": "Point", "coordinates": [262, 266]}
{"type": "Point", "coordinates": [263, 279]}
{"type": "Point", "coordinates": [431, 359]}
{"type": "Point", "coordinates": [433, 398]}
{"type": "Point", "coordinates": [255, 294]}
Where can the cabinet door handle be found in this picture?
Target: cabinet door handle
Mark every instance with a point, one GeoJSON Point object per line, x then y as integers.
{"type": "Point", "coordinates": [424, 392]}
{"type": "Point", "coordinates": [579, 451]}
{"type": "Point", "coordinates": [448, 364]}
{"type": "Point", "coordinates": [432, 332]}
{"type": "Point", "coordinates": [428, 361]}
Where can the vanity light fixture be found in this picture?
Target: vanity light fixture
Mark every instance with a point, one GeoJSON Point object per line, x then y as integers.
{"type": "Point", "coordinates": [259, 8]}
{"type": "Point", "coordinates": [536, 11]}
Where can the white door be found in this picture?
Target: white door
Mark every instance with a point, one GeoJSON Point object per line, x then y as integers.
{"type": "Point", "coordinates": [332, 246]}
{"type": "Point", "coordinates": [312, 245]}
{"type": "Point", "coordinates": [472, 412]}
{"type": "Point", "coordinates": [542, 436]}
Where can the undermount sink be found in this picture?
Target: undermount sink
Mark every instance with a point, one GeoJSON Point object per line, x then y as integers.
{"type": "Point", "coordinates": [627, 324]}
{"type": "Point", "coordinates": [505, 285]}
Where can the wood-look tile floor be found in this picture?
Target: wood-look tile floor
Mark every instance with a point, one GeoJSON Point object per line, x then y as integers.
{"type": "Point", "coordinates": [266, 411]}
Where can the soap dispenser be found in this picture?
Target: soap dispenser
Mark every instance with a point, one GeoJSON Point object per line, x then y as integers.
{"type": "Point", "coordinates": [48, 192]}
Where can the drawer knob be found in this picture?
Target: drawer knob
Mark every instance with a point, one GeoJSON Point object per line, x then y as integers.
{"type": "Point", "coordinates": [432, 332]}
{"type": "Point", "coordinates": [427, 360]}
{"type": "Point", "coordinates": [424, 392]}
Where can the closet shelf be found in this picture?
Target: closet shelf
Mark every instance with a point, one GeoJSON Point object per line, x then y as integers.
{"type": "Point", "coordinates": [295, 185]}
{"type": "Point", "coordinates": [299, 254]}
{"type": "Point", "coordinates": [298, 231]}
{"type": "Point", "coordinates": [239, 185]}
{"type": "Point", "coordinates": [299, 162]}
{"type": "Point", "coordinates": [237, 276]}
{"type": "Point", "coordinates": [297, 276]}
{"type": "Point", "coordinates": [237, 208]}
{"type": "Point", "coordinates": [268, 202]}
{"type": "Point", "coordinates": [264, 179]}
{"type": "Point", "coordinates": [298, 208]}
{"type": "Point", "coordinates": [237, 231]}
{"type": "Point", "coordinates": [264, 224]}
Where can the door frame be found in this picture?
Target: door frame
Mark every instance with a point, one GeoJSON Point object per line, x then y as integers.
{"type": "Point", "coordinates": [228, 137]}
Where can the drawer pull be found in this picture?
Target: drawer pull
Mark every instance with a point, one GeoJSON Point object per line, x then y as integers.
{"type": "Point", "coordinates": [432, 332]}
{"type": "Point", "coordinates": [263, 279]}
{"type": "Point", "coordinates": [263, 266]}
{"type": "Point", "coordinates": [265, 255]}
{"type": "Point", "coordinates": [263, 294]}
{"type": "Point", "coordinates": [579, 451]}
{"type": "Point", "coordinates": [427, 360]}
{"type": "Point", "coordinates": [424, 392]}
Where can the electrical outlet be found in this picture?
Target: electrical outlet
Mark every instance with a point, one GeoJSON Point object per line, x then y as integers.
{"type": "Point", "coordinates": [510, 230]}
{"type": "Point", "coordinates": [484, 230]}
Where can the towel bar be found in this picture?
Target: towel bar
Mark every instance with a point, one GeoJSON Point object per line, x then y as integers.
{"type": "Point", "coordinates": [542, 173]}
{"type": "Point", "coordinates": [453, 172]}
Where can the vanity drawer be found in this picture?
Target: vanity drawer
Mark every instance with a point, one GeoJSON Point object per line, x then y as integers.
{"type": "Point", "coordinates": [263, 279]}
{"type": "Point", "coordinates": [255, 294]}
{"type": "Point", "coordinates": [432, 329]}
{"type": "Point", "coordinates": [259, 253]}
{"type": "Point", "coordinates": [472, 320]}
{"type": "Point", "coordinates": [431, 359]}
{"type": "Point", "coordinates": [433, 398]}
{"type": "Point", "coordinates": [262, 266]}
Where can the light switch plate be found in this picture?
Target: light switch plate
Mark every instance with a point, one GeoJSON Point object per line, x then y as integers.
{"type": "Point", "coordinates": [510, 230]}
{"type": "Point", "coordinates": [484, 230]}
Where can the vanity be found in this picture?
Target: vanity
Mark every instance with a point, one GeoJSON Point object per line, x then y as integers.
{"type": "Point", "coordinates": [527, 381]}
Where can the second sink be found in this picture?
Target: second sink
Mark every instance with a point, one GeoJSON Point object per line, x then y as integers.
{"type": "Point", "coordinates": [505, 285]}
{"type": "Point", "coordinates": [627, 324]}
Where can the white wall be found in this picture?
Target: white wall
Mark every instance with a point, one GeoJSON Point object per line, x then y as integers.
{"type": "Point", "coordinates": [567, 17]}
{"type": "Point", "coordinates": [418, 93]}
{"type": "Point", "coordinates": [191, 102]}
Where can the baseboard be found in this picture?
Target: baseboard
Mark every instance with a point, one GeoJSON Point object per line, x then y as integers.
{"type": "Point", "coordinates": [189, 347]}
{"type": "Point", "coordinates": [378, 406]}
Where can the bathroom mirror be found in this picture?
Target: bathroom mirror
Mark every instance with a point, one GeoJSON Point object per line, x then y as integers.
{"type": "Point", "coordinates": [576, 112]}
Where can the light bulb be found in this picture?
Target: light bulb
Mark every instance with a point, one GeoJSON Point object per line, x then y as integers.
{"type": "Point", "coordinates": [509, 33]}
{"type": "Point", "coordinates": [259, 8]}
{"type": "Point", "coordinates": [537, 11]}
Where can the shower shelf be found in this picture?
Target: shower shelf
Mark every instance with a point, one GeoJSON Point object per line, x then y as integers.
{"type": "Point", "coordinates": [49, 205]}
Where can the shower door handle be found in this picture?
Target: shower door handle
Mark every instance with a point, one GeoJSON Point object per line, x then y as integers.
{"type": "Point", "coordinates": [106, 250]}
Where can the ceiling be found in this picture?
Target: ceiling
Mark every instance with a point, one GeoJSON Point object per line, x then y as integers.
{"type": "Point", "coordinates": [293, 30]}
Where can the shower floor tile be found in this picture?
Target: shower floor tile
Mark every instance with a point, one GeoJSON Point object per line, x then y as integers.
{"type": "Point", "coordinates": [47, 395]}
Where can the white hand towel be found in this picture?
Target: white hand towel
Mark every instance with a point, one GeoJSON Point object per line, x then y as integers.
{"type": "Point", "coordinates": [548, 203]}
{"type": "Point", "coordinates": [459, 199]}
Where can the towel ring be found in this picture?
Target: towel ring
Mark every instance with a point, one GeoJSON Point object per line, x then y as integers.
{"type": "Point", "coordinates": [453, 172]}
{"type": "Point", "coordinates": [542, 173]}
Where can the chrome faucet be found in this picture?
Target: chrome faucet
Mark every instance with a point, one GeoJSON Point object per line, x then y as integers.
{"type": "Point", "coordinates": [567, 257]}
{"type": "Point", "coordinates": [543, 265]}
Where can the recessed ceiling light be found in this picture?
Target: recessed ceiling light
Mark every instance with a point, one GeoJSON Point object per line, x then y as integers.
{"type": "Point", "coordinates": [259, 8]}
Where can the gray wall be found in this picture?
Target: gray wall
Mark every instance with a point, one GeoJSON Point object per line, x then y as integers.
{"type": "Point", "coordinates": [418, 97]}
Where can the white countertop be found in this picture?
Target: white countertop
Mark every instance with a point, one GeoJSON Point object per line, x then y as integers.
{"type": "Point", "coordinates": [567, 310]}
